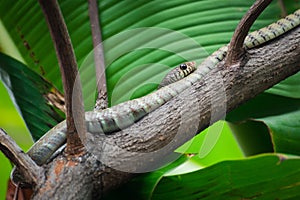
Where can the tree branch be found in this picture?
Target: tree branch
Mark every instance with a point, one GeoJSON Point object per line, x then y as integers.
{"type": "Point", "coordinates": [102, 101]}
{"type": "Point", "coordinates": [204, 103]}
{"type": "Point", "coordinates": [69, 72]}
{"type": "Point", "coordinates": [150, 142]}
{"type": "Point", "coordinates": [235, 48]}
{"type": "Point", "coordinates": [27, 167]}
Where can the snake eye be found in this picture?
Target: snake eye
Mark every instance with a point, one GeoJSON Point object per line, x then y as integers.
{"type": "Point", "coordinates": [183, 66]}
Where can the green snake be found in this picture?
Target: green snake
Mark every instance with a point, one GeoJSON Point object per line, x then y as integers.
{"type": "Point", "coordinates": [125, 114]}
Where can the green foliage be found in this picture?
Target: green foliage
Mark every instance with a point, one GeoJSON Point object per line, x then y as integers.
{"type": "Point", "coordinates": [29, 91]}
{"type": "Point", "coordinates": [137, 57]}
{"type": "Point", "coordinates": [11, 122]}
{"type": "Point", "coordinates": [273, 120]}
{"type": "Point", "coordinates": [260, 177]}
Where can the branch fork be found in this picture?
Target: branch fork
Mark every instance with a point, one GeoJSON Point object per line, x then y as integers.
{"type": "Point", "coordinates": [33, 173]}
{"type": "Point", "coordinates": [236, 50]}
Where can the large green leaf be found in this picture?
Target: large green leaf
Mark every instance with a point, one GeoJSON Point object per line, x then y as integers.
{"type": "Point", "coordinates": [268, 123]}
{"type": "Point", "coordinates": [29, 91]}
{"type": "Point", "coordinates": [261, 177]}
{"type": "Point", "coordinates": [205, 25]}
{"type": "Point", "coordinates": [267, 176]}
{"type": "Point", "coordinates": [287, 88]}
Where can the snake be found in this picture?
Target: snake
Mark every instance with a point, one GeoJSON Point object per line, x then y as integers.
{"type": "Point", "coordinates": [123, 115]}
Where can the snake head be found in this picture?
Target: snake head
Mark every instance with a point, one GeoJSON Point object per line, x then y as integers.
{"type": "Point", "coordinates": [178, 73]}
{"type": "Point", "coordinates": [186, 68]}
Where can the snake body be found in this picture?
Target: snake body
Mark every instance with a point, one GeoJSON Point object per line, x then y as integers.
{"type": "Point", "coordinates": [125, 114]}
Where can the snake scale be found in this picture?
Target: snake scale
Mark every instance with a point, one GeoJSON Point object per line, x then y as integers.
{"type": "Point", "coordinates": [125, 114]}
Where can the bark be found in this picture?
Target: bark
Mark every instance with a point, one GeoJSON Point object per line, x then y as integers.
{"type": "Point", "coordinates": [235, 48]}
{"type": "Point", "coordinates": [30, 170]}
{"type": "Point", "coordinates": [149, 143]}
{"type": "Point", "coordinates": [102, 99]}
{"type": "Point", "coordinates": [69, 73]}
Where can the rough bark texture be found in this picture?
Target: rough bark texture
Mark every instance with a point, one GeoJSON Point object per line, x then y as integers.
{"type": "Point", "coordinates": [83, 177]}
{"type": "Point", "coordinates": [102, 99]}
{"type": "Point", "coordinates": [30, 170]}
{"type": "Point", "coordinates": [151, 141]}
{"type": "Point", "coordinates": [235, 49]}
{"type": "Point", "coordinates": [69, 72]}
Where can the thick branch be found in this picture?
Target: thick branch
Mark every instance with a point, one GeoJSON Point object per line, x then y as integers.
{"type": "Point", "coordinates": [151, 141]}
{"type": "Point", "coordinates": [222, 90]}
{"type": "Point", "coordinates": [102, 101]}
{"type": "Point", "coordinates": [235, 48]}
{"type": "Point", "coordinates": [69, 72]}
{"type": "Point", "coordinates": [31, 171]}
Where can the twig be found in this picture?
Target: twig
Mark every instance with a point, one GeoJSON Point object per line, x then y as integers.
{"type": "Point", "coordinates": [102, 101]}
{"type": "Point", "coordinates": [69, 72]}
{"type": "Point", "coordinates": [235, 48]}
{"type": "Point", "coordinates": [28, 168]}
